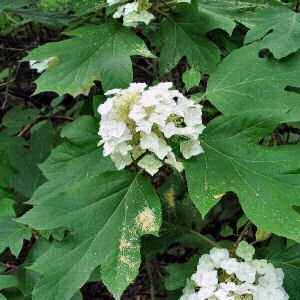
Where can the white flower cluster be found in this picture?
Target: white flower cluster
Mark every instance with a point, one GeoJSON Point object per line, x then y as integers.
{"type": "Point", "coordinates": [140, 121]}
{"type": "Point", "coordinates": [220, 277]}
{"type": "Point", "coordinates": [133, 12]}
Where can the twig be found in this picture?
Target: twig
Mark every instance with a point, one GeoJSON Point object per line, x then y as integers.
{"type": "Point", "coordinates": [8, 82]}
{"type": "Point", "coordinates": [9, 18]}
{"type": "Point", "coordinates": [206, 239]}
{"type": "Point", "coordinates": [152, 291]}
{"type": "Point", "coordinates": [39, 118]}
{"type": "Point", "coordinates": [241, 236]}
{"type": "Point", "coordinates": [6, 89]}
{"type": "Point", "coordinates": [8, 265]}
{"type": "Point", "coordinates": [166, 4]}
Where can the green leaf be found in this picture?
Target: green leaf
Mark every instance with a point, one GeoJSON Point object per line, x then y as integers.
{"type": "Point", "coordinates": [4, 4]}
{"type": "Point", "coordinates": [12, 235]}
{"type": "Point", "coordinates": [7, 281]}
{"type": "Point", "coordinates": [102, 53]}
{"type": "Point", "coordinates": [261, 84]}
{"type": "Point", "coordinates": [83, 7]}
{"type": "Point", "coordinates": [181, 221]}
{"type": "Point", "coordinates": [28, 176]}
{"type": "Point", "coordinates": [191, 78]}
{"type": "Point", "coordinates": [242, 11]}
{"type": "Point", "coordinates": [107, 215]}
{"type": "Point", "coordinates": [280, 30]}
{"type": "Point", "coordinates": [179, 273]}
{"type": "Point", "coordinates": [43, 17]}
{"type": "Point", "coordinates": [289, 261]}
{"type": "Point", "coordinates": [73, 161]}
{"type": "Point", "coordinates": [2, 297]}
{"type": "Point", "coordinates": [266, 179]}
{"type": "Point", "coordinates": [4, 73]}
{"type": "Point", "coordinates": [17, 117]}
{"type": "Point", "coordinates": [183, 35]}
{"type": "Point", "coordinates": [6, 204]}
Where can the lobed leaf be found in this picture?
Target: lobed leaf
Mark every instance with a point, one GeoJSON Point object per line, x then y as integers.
{"type": "Point", "coordinates": [266, 179]}
{"type": "Point", "coordinates": [107, 214]}
{"type": "Point", "coordinates": [99, 52]}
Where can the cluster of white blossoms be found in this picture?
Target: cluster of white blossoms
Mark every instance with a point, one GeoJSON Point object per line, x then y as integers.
{"type": "Point", "coordinates": [220, 277]}
{"type": "Point", "coordinates": [133, 12]}
{"type": "Point", "coordinates": [141, 123]}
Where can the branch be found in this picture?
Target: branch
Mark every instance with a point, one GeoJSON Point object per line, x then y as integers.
{"type": "Point", "coordinates": [39, 118]}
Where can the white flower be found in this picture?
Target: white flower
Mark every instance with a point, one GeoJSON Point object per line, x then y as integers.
{"type": "Point", "coordinates": [138, 119]}
{"type": "Point", "coordinates": [130, 7]}
{"type": "Point", "coordinates": [171, 160]}
{"type": "Point", "coordinates": [131, 14]}
{"type": "Point", "coordinates": [213, 283]}
{"type": "Point", "coordinates": [205, 279]}
{"type": "Point", "coordinates": [190, 148]}
{"type": "Point", "coordinates": [150, 164]}
{"type": "Point", "coordinates": [121, 161]}
{"type": "Point", "coordinates": [106, 107]}
{"type": "Point", "coordinates": [245, 251]}
{"type": "Point", "coordinates": [230, 265]}
{"type": "Point", "coordinates": [245, 273]}
{"type": "Point", "coordinates": [112, 2]}
{"type": "Point", "coordinates": [137, 113]}
{"type": "Point", "coordinates": [222, 295]}
{"type": "Point", "coordinates": [260, 265]}
{"type": "Point", "coordinates": [206, 292]}
{"type": "Point", "coordinates": [218, 255]}
{"type": "Point", "coordinates": [188, 290]}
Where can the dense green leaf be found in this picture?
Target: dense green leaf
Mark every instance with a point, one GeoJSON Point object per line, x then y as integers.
{"type": "Point", "coordinates": [242, 11]}
{"type": "Point", "coordinates": [266, 179]}
{"type": "Point", "coordinates": [17, 117]}
{"type": "Point", "coordinates": [191, 78]}
{"type": "Point", "coordinates": [107, 215]}
{"type": "Point", "coordinates": [73, 161]}
{"type": "Point", "coordinates": [4, 4]}
{"type": "Point", "coordinates": [102, 53]}
{"type": "Point", "coordinates": [280, 30]}
{"type": "Point", "coordinates": [28, 176]}
{"type": "Point", "coordinates": [7, 281]}
{"type": "Point", "coordinates": [12, 235]}
{"type": "Point", "coordinates": [289, 261]}
{"type": "Point", "coordinates": [184, 35]}
{"type": "Point", "coordinates": [43, 17]}
{"type": "Point", "coordinates": [181, 221]}
{"type": "Point", "coordinates": [4, 73]}
{"type": "Point", "coordinates": [179, 273]}
{"type": "Point", "coordinates": [259, 86]}
{"type": "Point", "coordinates": [6, 204]}
{"type": "Point", "coordinates": [83, 7]}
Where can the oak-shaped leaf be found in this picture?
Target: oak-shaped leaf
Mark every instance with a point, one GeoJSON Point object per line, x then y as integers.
{"type": "Point", "coordinates": [99, 52]}
{"type": "Point", "coordinates": [242, 11]}
{"type": "Point", "coordinates": [106, 215]}
{"type": "Point", "coordinates": [184, 35]}
{"type": "Point", "coordinates": [265, 179]}
{"type": "Point", "coordinates": [259, 86]}
{"type": "Point", "coordinates": [280, 30]}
